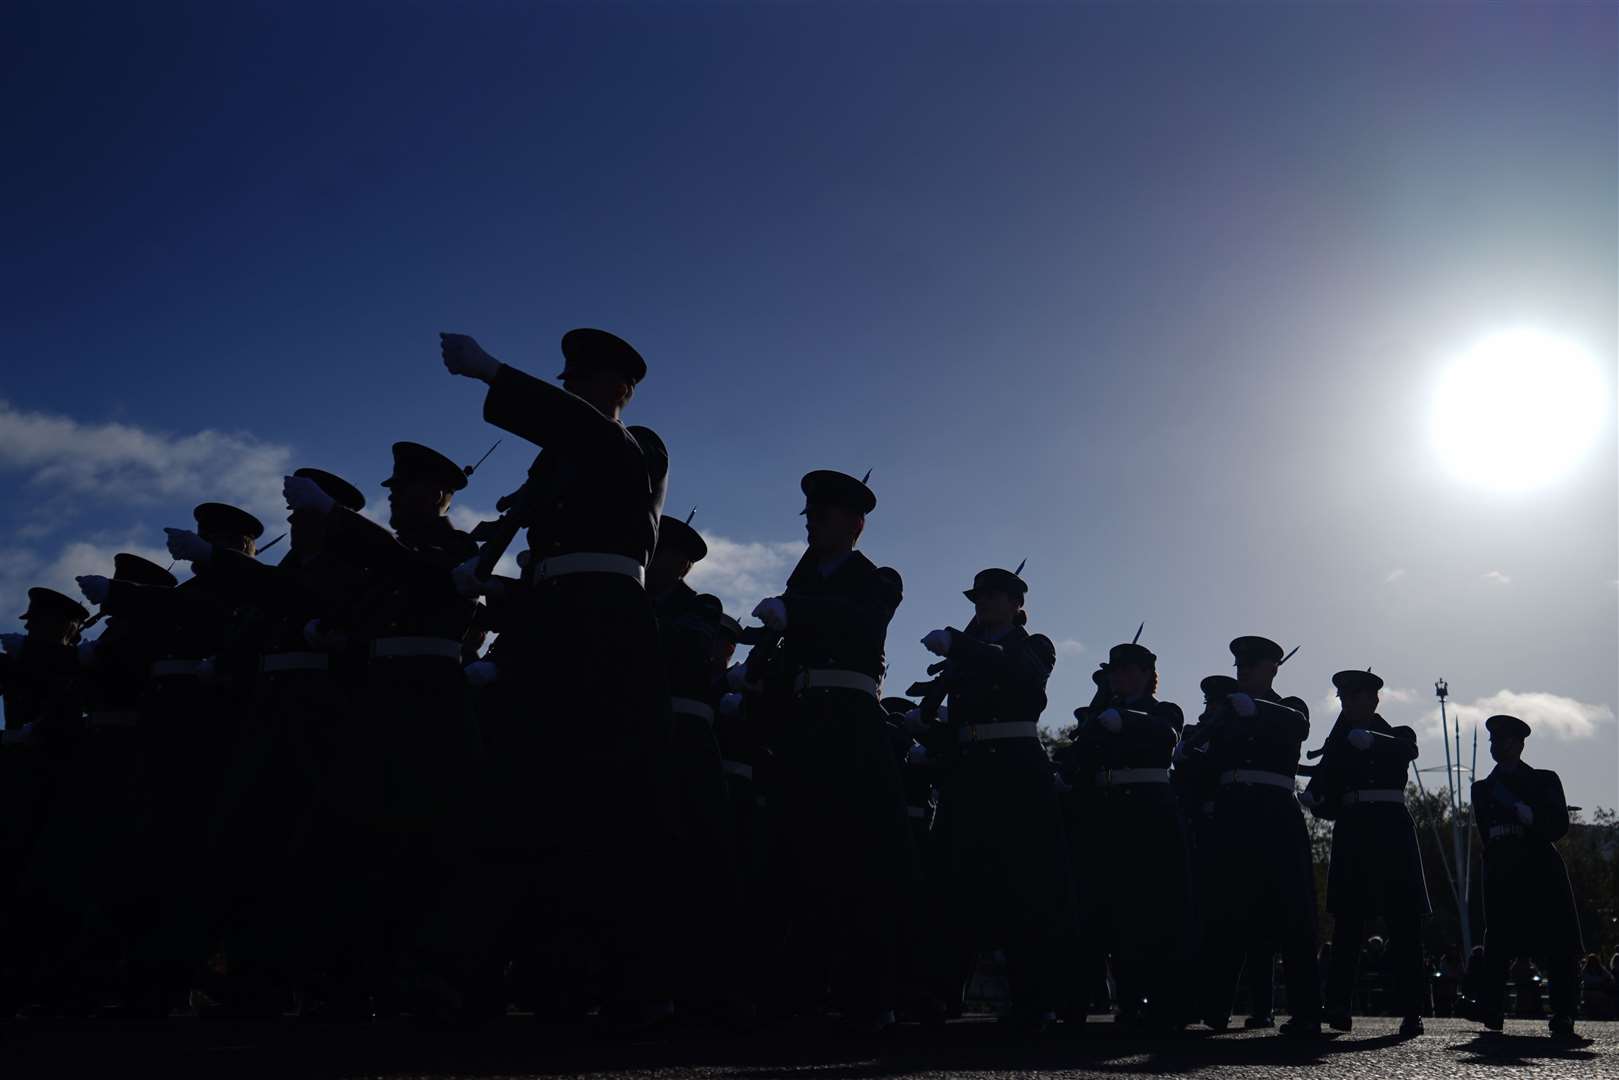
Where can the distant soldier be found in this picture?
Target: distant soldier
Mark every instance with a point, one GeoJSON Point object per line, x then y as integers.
{"type": "Point", "coordinates": [1129, 842]}
{"type": "Point", "coordinates": [1005, 875]}
{"type": "Point", "coordinates": [281, 780]}
{"type": "Point", "coordinates": [39, 680]}
{"type": "Point", "coordinates": [1376, 865]}
{"type": "Point", "coordinates": [206, 643]}
{"type": "Point", "coordinates": [1266, 881]}
{"type": "Point", "coordinates": [579, 651]}
{"type": "Point", "coordinates": [853, 869]}
{"type": "Point", "coordinates": [410, 914]}
{"type": "Point", "coordinates": [1528, 901]}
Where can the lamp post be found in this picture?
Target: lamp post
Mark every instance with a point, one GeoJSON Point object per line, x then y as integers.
{"type": "Point", "coordinates": [1460, 850]}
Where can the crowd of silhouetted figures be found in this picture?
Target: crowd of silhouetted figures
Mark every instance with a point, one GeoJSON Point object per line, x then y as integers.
{"type": "Point", "coordinates": [375, 776]}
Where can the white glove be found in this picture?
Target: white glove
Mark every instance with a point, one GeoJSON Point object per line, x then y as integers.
{"type": "Point", "coordinates": [736, 677]}
{"type": "Point", "coordinates": [912, 722]}
{"type": "Point", "coordinates": [480, 673]}
{"type": "Point", "coordinates": [464, 356]}
{"type": "Point", "coordinates": [95, 588]}
{"type": "Point", "coordinates": [1180, 753]}
{"type": "Point", "coordinates": [1525, 814]}
{"type": "Point", "coordinates": [1111, 721]}
{"type": "Point", "coordinates": [1309, 799]}
{"type": "Point", "coordinates": [12, 642]}
{"type": "Point", "coordinates": [944, 714]}
{"type": "Point", "coordinates": [730, 704]}
{"type": "Point", "coordinates": [937, 642]}
{"type": "Point", "coordinates": [187, 546]}
{"type": "Point", "coordinates": [207, 670]}
{"type": "Point", "coordinates": [916, 755]}
{"type": "Point", "coordinates": [304, 494]}
{"type": "Point", "coordinates": [466, 579]}
{"type": "Point", "coordinates": [773, 613]}
{"type": "Point", "coordinates": [1241, 704]}
{"type": "Point", "coordinates": [1360, 739]}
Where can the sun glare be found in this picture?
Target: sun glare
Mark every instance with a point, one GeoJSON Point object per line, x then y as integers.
{"type": "Point", "coordinates": [1518, 410]}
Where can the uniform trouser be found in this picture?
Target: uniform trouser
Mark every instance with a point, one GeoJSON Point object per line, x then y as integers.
{"type": "Point", "coordinates": [844, 821]}
{"type": "Point", "coordinates": [1259, 972]}
{"type": "Point", "coordinates": [1404, 962]}
{"type": "Point", "coordinates": [705, 864]}
{"type": "Point", "coordinates": [1265, 887]}
{"type": "Point", "coordinates": [1502, 944]}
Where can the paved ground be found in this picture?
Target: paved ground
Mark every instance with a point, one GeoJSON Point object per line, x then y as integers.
{"type": "Point", "coordinates": [517, 1046]}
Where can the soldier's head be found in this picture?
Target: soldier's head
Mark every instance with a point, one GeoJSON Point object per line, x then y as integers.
{"type": "Point", "coordinates": [422, 484]}
{"type": "Point", "coordinates": [1358, 692]}
{"type": "Point", "coordinates": [1257, 660]}
{"type": "Point", "coordinates": [1132, 671]}
{"type": "Point", "coordinates": [602, 368]}
{"type": "Point", "coordinates": [1507, 734]}
{"type": "Point", "coordinates": [997, 597]}
{"type": "Point", "coordinates": [680, 547]}
{"type": "Point", "coordinates": [835, 509]}
{"type": "Point", "coordinates": [309, 529]}
{"type": "Point", "coordinates": [228, 527]}
{"type": "Point", "coordinates": [53, 618]}
{"type": "Point", "coordinates": [1216, 688]}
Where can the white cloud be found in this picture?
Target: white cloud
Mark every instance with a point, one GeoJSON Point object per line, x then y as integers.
{"type": "Point", "coordinates": [1389, 695]}
{"type": "Point", "coordinates": [1496, 577]}
{"type": "Point", "coordinates": [69, 460]}
{"type": "Point", "coordinates": [1547, 714]}
{"type": "Point", "coordinates": [1394, 575]}
{"type": "Point", "coordinates": [1069, 647]}
{"type": "Point", "coordinates": [741, 573]}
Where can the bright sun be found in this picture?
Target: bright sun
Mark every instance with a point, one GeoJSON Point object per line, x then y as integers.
{"type": "Point", "coordinates": [1518, 410]}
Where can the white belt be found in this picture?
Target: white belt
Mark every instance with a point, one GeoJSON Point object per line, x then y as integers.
{"type": "Point", "coordinates": [737, 768]}
{"type": "Point", "coordinates": [916, 811]}
{"type": "Point", "coordinates": [1011, 729]}
{"type": "Point", "coordinates": [586, 562]}
{"type": "Point", "coordinates": [1257, 776]}
{"type": "Point", "coordinates": [393, 648]}
{"type": "Point", "coordinates": [163, 668]}
{"type": "Point", "coordinates": [114, 719]}
{"type": "Point", "coordinates": [690, 707]}
{"type": "Point", "coordinates": [270, 663]}
{"type": "Point", "coordinates": [1387, 795]}
{"type": "Point", "coordinates": [1112, 777]}
{"type": "Point", "coordinates": [832, 679]}
{"type": "Point", "coordinates": [1498, 831]}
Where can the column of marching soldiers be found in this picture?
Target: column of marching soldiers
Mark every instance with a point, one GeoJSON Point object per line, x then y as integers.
{"type": "Point", "coordinates": [300, 781]}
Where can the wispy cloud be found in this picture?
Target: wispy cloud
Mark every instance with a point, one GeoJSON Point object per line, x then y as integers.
{"type": "Point", "coordinates": [1394, 575]}
{"type": "Point", "coordinates": [1070, 647]}
{"type": "Point", "coordinates": [1496, 577]}
{"type": "Point", "coordinates": [1389, 695]}
{"type": "Point", "coordinates": [1547, 714]}
{"type": "Point", "coordinates": [741, 573]}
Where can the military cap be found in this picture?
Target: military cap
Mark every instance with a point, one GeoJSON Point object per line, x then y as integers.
{"type": "Point", "coordinates": [1216, 686]}
{"type": "Point", "coordinates": [1099, 676]}
{"type": "Point", "coordinates": [42, 602]}
{"type": "Point", "coordinates": [997, 580]}
{"type": "Point", "coordinates": [342, 492]}
{"type": "Point", "coordinates": [1131, 654]}
{"type": "Point", "coordinates": [1251, 648]}
{"type": "Point", "coordinates": [1356, 680]}
{"type": "Point", "coordinates": [214, 519]}
{"type": "Point", "coordinates": [414, 459]}
{"type": "Point", "coordinates": [681, 537]}
{"type": "Point", "coordinates": [837, 489]}
{"type": "Point", "coordinates": [897, 706]}
{"type": "Point", "coordinates": [139, 571]}
{"type": "Point", "coordinates": [1510, 726]}
{"type": "Point", "coordinates": [730, 629]}
{"type": "Point", "coordinates": [587, 349]}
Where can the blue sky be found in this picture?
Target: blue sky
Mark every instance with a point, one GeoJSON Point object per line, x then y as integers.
{"type": "Point", "coordinates": [1154, 296]}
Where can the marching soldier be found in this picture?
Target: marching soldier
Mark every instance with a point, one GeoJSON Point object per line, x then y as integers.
{"type": "Point", "coordinates": [579, 647]}
{"type": "Point", "coordinates": [1376, 866]}
{"type": "Point", "coordinates": [1528, 902]}
{"type": "Point", "coordinates": [1266, 877]}
{"type": "Point", "coordinates": [199, 691]}
{"type": "Point", "coordinates": [1005, 875]}
{"type": "Point", "coordinates": [843, 805]}
{"type": "Point", "coordinates": [1130, 838]}
{"type": "Point", "coordinates": [409, 752]}
{"type": "Point", "coordinates": [274, 824]}
{"type": "Point", "coordinates": [39, 679]}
